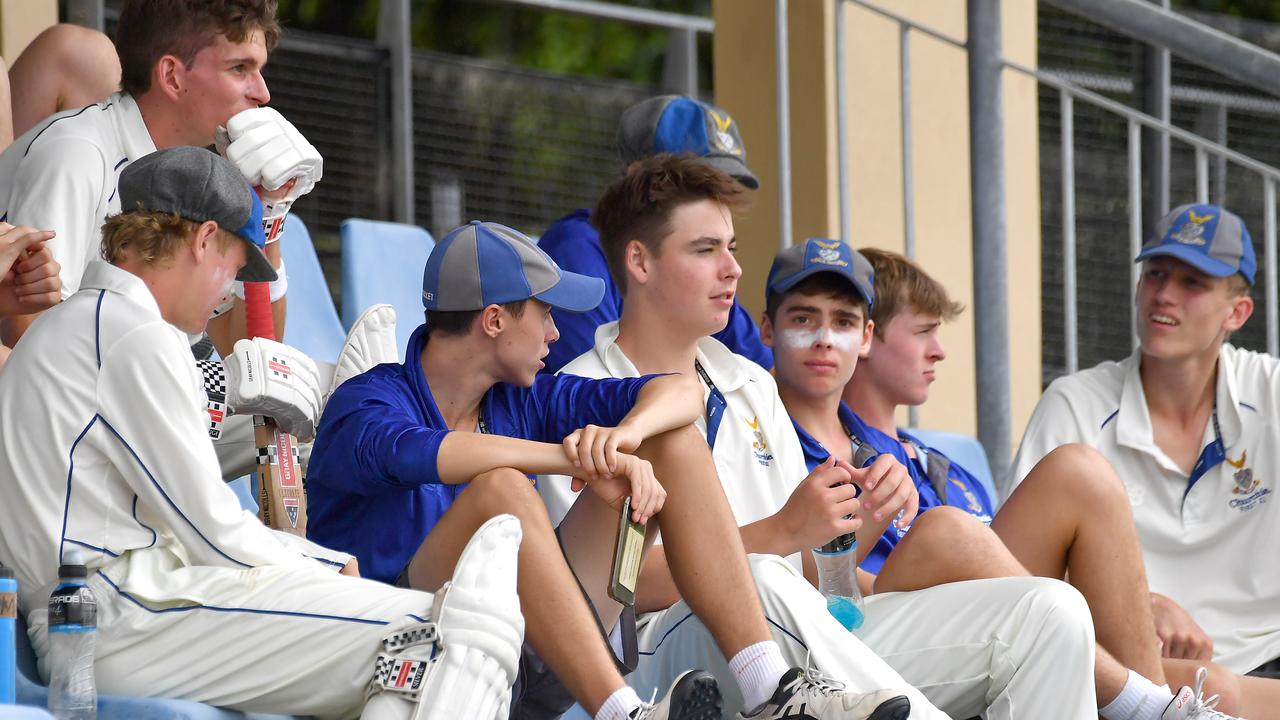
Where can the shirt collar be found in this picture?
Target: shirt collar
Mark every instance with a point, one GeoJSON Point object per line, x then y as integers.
{"type": "Point", "coordinates": [412, 369]}
{"type": "Point", "coordinates": [1133, 424]}
{"type": "Point", "coordinates": [102, 275]}
{"type": "Point", "coordinates": [718, 361]}
{"type": "Point", "coordinates": [132, 128]}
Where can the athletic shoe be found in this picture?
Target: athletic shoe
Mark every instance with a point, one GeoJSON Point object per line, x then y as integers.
{"type": "Point", "coordinates": [1191, 704]}
{"type": "Point", "coordinates": [693, 696]}
{"type": "Point", "coordinates": [806, 694]}
{"type": "Point", "coordinates": [463, 661]}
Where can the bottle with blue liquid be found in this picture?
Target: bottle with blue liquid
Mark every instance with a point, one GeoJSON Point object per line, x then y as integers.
{"type": "Point", "coordinates": [837, 563]}
{"type": "Point", "coordinates": [73, 625]}
{"type": "Point", "coordinates": [8, 641]}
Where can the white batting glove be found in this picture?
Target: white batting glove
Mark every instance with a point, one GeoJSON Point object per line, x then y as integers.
{"type": "Point", "coordinates": [265, 377]}
{"type": "Point", "coordinates": [269, 151]}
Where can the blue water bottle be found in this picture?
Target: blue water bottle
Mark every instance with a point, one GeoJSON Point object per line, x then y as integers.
{"type": "Point", "coordinates": [8, 646]}
{"type": "Point", "coordinates": [73, 624]}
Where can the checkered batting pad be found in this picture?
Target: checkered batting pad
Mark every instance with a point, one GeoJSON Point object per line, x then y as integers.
{"type": "Point", "coordinates": [215, 379]}
{"type": "Point", "coordinates": [215, 387]}
{"type": "Point", "coordinates": [393, 672]}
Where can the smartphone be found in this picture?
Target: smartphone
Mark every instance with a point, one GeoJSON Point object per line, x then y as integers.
{"type": "Point", "coordinates": [626, 557]}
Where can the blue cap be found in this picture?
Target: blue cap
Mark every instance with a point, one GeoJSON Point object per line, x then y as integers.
{"type": "Point", "coordinates": [680, 124]}
{"type": "Point", "coordinates": [484, 263]}
{"type": "Point", "coordinates": [819, 255]}
{"type": "Point", "coordinates": [1206, 237]}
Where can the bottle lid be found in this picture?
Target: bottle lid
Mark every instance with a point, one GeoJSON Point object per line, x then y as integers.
{"type": "Point", "coordinates": [72, 571]}
{"type": "Point", "coordinates": [5, 573]}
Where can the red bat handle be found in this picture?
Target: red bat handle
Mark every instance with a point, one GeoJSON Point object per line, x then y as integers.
{"type": "Point", "coordinates": [257, 306]}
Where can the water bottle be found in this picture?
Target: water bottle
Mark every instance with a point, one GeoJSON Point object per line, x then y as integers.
{"type": "Point", "coordinates": [8, 647]}
{"type": "Point", "coordinates": [837, 563]}
{"type": "Point", "coordinates": [73, 622]}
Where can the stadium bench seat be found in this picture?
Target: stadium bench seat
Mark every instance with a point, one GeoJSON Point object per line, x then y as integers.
{"type": "Point", "coordinates": [312, 324]}
{"type": "Point", "coordinates": [964, 450]}
{"type": "Point", "coordinates": [111, 707]}
{"type": "Point", "coordinates": [382, 262]}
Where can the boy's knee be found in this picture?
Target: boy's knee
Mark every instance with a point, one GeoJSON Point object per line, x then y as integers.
{"type": "Point", "coordinates": [1091, 476]}
{"type": "Point", "coordinates": [949, 525]}
{"type": "Point", "coordinates": [1063, 609]}
{"type": "Point", "coordinates": [505, 490]}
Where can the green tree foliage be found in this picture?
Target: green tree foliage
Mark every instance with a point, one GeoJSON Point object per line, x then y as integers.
{"type": "Point", "coordinates": [1252, 9]}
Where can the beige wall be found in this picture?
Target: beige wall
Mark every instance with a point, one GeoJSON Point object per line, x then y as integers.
{"type": "Point", "coordinates": [745, 77]}
{"type": "Point", "coordinates": [22, 20]}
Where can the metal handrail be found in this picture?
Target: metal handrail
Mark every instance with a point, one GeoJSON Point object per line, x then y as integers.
{"type": "Point", "coordinates": [625, 13]}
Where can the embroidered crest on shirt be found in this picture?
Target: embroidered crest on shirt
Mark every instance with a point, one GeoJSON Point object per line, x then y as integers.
{"type": "Point", "coordinates": [759, 448]}
{"type": "Point", "coordinates": [1246, 485]}
{"type": "Point", "coordinates": [975, 507]}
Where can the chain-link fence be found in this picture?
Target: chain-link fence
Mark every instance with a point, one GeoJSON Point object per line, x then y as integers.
{"type": "Point", "coordinates": [1203, 102]}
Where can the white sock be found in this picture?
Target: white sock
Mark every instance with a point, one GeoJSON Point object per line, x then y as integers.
{"type": "Point", "coordinates": [1140, 699]}
{"type": "Point", "coordinates": [618, 705]}
{"type": "Point", "coordinates": [758, 668]}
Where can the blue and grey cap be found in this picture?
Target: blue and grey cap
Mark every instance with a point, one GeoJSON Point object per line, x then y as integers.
{"type": "Point", "coordinates": [199, 185]}
{"type": "Point", "coordinates": [1206, 237]}
{"type": "Point", "coordinates": [680, 124]}
{"type": "Point", "coordinates": [484, 263]}
{"type": "Point", "coordinates": [819, 255]}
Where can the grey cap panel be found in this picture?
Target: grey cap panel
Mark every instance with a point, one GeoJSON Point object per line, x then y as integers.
{"type": "Point", "coordinates": [458, 269]}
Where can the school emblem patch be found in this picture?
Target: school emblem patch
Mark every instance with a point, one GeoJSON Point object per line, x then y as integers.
{"type": "Point", "coordinates": [724, 141]}
{"type": "Point", "coordinates": [1248, 491]}
{"type": "Point", "coordinates": [759, 448]}
{"type": "Point", "coordinates": [1192, 231]}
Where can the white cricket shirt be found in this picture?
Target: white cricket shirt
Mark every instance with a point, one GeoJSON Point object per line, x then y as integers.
{"type": "Point", "coordinates": [105, 448]}
{"type": "Point", "coordinates": [756, 450]}
{"type": "Point", "coordinates": [1210, 544]}
{"type": "Point", "coordinates": [61, 176]}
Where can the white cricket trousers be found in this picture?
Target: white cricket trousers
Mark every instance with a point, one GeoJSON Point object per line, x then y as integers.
{"type": "Point", "coordinates": [285, 640]}
{"type": "Point", "coordinates": [1007, 649]}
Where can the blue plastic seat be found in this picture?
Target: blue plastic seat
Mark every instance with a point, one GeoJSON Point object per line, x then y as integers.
{"type": "Point", "coordinates": [965, 451]}
{"type": "Point", "coordinates": [382, 262]}
{"type": "Point", "coordinates": [312, 323]}
{"type": "Point", "coordinates": [114, 707]}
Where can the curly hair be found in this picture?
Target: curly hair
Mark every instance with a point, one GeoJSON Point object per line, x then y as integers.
{"type": "Point", "coordinates": [149, 237]}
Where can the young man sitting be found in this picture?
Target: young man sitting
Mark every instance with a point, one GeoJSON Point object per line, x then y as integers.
{"type": "Point", "coordinates": [1090, 538]}
{"type": "Point", "coordinates": [105, 453]}
{"type": "Point", "coordinates": [1013, 647]}
{"type": "Point", "coordinates": [411, 458]}
{"type": "Point", "coordinates": [1192, 425]}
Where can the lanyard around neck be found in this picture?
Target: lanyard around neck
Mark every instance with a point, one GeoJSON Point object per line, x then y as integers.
{"type": "Point", "coordinates": [716, 405]}
{"type": "Point", "coordinates": [1210, 457]}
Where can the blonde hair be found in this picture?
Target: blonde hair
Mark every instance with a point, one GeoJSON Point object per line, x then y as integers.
{"type": "Point", "coordinates": [149, 236]}
{"type": "Point", "coordinates": [901, 285]}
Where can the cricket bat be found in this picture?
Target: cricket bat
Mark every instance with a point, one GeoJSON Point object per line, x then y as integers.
{"type": "Point", "coordinates": [282, 502]}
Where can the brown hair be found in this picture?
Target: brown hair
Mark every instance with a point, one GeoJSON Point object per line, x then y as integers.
{"type": "Point", "coordinates": [902, 284]}
{"type": "Point", "coordinates": [824, 284]}
{"type": "Point", "coordinates": [150, 29]}
{"type": "Point", "coordinates": [458, 322]}
{"type": "Point", "coordinates": [639, 205]}
{"type": "Point", "coordinates": [149, 236]}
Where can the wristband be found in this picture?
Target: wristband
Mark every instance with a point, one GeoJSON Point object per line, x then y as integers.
{"type": "Point", "coordinates": [278, 287]}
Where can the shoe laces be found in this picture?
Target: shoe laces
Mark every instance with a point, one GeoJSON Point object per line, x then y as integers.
{"type": "Point", "coordinates": [1202, 707]}
{"type": "Point", "coordinates": [813, 681]}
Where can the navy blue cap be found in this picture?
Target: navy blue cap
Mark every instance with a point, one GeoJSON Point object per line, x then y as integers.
{"type": "Point", "coordinates": [484, 263]}
{"type": "Point", "coordinates": [819, 255]}
{"type": "Point", "coordinates": [1206, 237]}
{"type": "Point", "coordinates": [679, 124]}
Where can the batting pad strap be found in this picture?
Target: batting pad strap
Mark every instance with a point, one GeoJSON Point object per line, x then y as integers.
{"type": "Point", "coordinates": [405, 661]}
{"type": "Point", "coordinates": [215, 390]}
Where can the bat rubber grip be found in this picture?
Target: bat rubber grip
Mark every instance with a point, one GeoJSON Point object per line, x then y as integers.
{"type": "Point", "coordinates": [257, 302]}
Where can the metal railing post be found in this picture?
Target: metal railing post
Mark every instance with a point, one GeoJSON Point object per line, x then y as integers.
{"type": "Point", "coordinates": [908, 154]}
{"type": "Point", "coordinates": [784, 125]}
{"type": "Point", "coordinates": [1135, 220]}
{"type": "Point", "coordinates": [1070, 347]}
{"type": "Point", "coordinates": [1202, 175]}
{"type": "Point", "coordinates": [1270, 262]}
{"type": "Point", "coordinates": [393, 33]}
{"type": "Point", "coordinates": [842, 128]}
{"type": "Point", "coordinates": [990, 252]}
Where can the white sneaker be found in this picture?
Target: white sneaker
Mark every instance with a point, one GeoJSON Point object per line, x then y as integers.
{"type": "Point", "coordinates": [693, 696]}
{"type": "Point", "coordinates": [806, 694]}
{"type": "Point", "coordinates": [462, 663]}
{"type": "Point", "coordinates": [1190, 704]}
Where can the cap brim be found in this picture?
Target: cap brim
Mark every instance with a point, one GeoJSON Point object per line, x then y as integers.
{"type": "Point", "coordinates": [1192, 257]}
{"type": "Point", "coordinates": [574, 292]}
{"type": "Point", "coordinates": [733, 167]}
{"type": "Point", "coordinates": [791, 281]}
{"type": "Point", "coordinates": [258, 268]}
